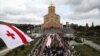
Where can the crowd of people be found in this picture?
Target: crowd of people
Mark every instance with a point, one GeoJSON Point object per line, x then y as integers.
{"type": "Point", "coordinates": [54, 51]}
{"type": "Point", "coordinates": [56, 48]}
{"type": "Point", "coordinates": [53, 45]}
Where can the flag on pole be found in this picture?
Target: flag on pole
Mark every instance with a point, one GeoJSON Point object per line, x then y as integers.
{"type": "Point", "coordinates": [12, 36]}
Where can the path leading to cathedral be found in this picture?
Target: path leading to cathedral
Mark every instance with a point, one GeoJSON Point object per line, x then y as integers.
{"type": "Point", "coordinates": [52, 45]}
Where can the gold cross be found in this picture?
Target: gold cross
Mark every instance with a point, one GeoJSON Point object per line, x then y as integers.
{"type": "Point", "coordinates": [52, 3]}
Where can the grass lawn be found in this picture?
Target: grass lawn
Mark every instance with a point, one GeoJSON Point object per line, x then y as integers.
{"type": "Point", "coordinates": [86, 50]}
{"type": "Point", "coordinates": [95, 39]}
{"type": "Point", "coordinates": [20, 51]}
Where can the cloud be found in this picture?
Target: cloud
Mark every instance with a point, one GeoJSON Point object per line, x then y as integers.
{"type": "Point", "coordinates": [73, 2]}
{"type": "Point", "coordinates": [21, 11]}
{"type": "Point", "coordinates": [83, 5]}
{"type": "Point", "coordinates": [93, 14]}
{"type": "Point", "coordinates": [32, 11]}
{"type": "Point", "coordinates": [83, 9]}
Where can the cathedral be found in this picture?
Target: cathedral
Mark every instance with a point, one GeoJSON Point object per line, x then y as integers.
{"type": "Point", "coordinates": [52, 20]}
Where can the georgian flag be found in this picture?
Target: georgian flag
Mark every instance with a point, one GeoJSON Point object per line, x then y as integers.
{"type": "Point", "coordinates": [12, 36]}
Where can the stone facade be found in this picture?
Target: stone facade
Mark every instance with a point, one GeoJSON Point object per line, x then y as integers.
{"type": "Point", "coordinates": [51, 20]}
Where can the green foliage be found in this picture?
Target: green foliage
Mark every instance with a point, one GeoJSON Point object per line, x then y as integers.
{"type": "Point", "coordinates": [2, 44]}
{"type": "Point", "coordinates": [24, 27]}
{"type": "Point", "coordinates": [18, 51]}
{"type": "Point", "coordinates": [86, 50]}
{"type": "Point", "coordinates": [92, 33]}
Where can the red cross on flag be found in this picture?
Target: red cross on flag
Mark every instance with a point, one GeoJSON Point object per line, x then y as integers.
{"type": "Point", "coordinates": [12, 36]}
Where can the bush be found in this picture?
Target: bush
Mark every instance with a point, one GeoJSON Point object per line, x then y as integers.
{"type": "Point", "coordinates": [86, 50]}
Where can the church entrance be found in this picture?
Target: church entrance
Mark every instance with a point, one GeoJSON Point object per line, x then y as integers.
{"type": "Point", "coordinates": [52, 27]}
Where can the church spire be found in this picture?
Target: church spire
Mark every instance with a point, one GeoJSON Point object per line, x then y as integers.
{"type": "Point", "coordinates": [92, 24]}
{"type": "Point", "coordinates": [51, 8]}
{"type": "Point", "coordinates": [52, 4]}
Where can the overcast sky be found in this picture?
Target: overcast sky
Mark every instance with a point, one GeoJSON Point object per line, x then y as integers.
{"type": "Point", "coordinates": [32, 11]}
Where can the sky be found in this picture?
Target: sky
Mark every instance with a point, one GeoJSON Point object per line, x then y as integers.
{"type": "Point", "coordinates": [32, 11]}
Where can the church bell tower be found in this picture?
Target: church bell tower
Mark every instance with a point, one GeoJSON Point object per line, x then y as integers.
{"type": "Point", "coordinates": [51, 9]}
{"type": "Point", "coordinates": [51, 20]}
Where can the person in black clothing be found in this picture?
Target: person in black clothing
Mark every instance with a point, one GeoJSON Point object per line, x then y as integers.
{"type": "Point", "coordinates": [60, 51]}
{"type": "Point", "coordinates": [53, 49]}
{"type": "Point", "coordinates": [47, 51]}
